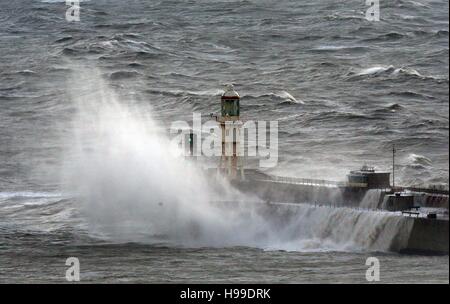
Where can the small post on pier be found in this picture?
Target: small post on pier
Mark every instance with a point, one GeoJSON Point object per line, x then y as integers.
{"type": "Point", "coordinates": [393, 166]}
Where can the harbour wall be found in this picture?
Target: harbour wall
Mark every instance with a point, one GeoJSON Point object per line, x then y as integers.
{"type": "Point", "coordinates": [428, 236]}
{"type": "Point", "coordinates": [303, 193]}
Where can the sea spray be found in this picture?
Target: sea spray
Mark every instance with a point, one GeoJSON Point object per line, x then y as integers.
{"type": "Point", "coordinates": [371, 199]}
{"type": "Point", "coordinates": [130, 184]}
{"type": "Point", "coordinates": [131, 188]}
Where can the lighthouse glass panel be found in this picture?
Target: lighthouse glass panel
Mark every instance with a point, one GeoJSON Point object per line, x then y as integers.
{"type": "Point", "coordinates": [230, 107]}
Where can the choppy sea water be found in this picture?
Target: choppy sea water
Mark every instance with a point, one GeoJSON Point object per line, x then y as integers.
{"type": "Point", "coordinates": [342, 88]}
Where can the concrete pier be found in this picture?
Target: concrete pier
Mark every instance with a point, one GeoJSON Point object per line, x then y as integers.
{"type": "Point", "coordinates": [428, 235]}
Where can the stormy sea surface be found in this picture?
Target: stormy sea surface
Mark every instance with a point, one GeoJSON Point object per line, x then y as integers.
{"type": "Point", "coordinates": [85, 107]}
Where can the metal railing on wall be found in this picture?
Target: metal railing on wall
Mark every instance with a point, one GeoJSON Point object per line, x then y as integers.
{"type": "Point", "coordinates": [312, 182]}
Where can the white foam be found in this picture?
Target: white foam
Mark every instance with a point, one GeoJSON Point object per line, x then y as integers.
{"type": "Point", "coordinates": [28, 194]}
{"type": "Point", "coordinates": [288, 96]}
{"type": "Point", "coordinates": [375, 70]}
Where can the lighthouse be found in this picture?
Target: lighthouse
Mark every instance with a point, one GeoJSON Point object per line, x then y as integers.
{"type": "Point", "coordinates": [231, 162]}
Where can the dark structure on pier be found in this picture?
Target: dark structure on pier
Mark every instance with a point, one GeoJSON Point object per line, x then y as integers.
{"type": "Point", "coordinates": [370, 178]}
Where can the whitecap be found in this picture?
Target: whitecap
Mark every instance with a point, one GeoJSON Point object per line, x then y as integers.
{"type": "Point", "coordinates": [375, 70]}
{"type": "Point", "coordinates": [289, 97]}
{"type": "Point", "coordinates": [417, 159]}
